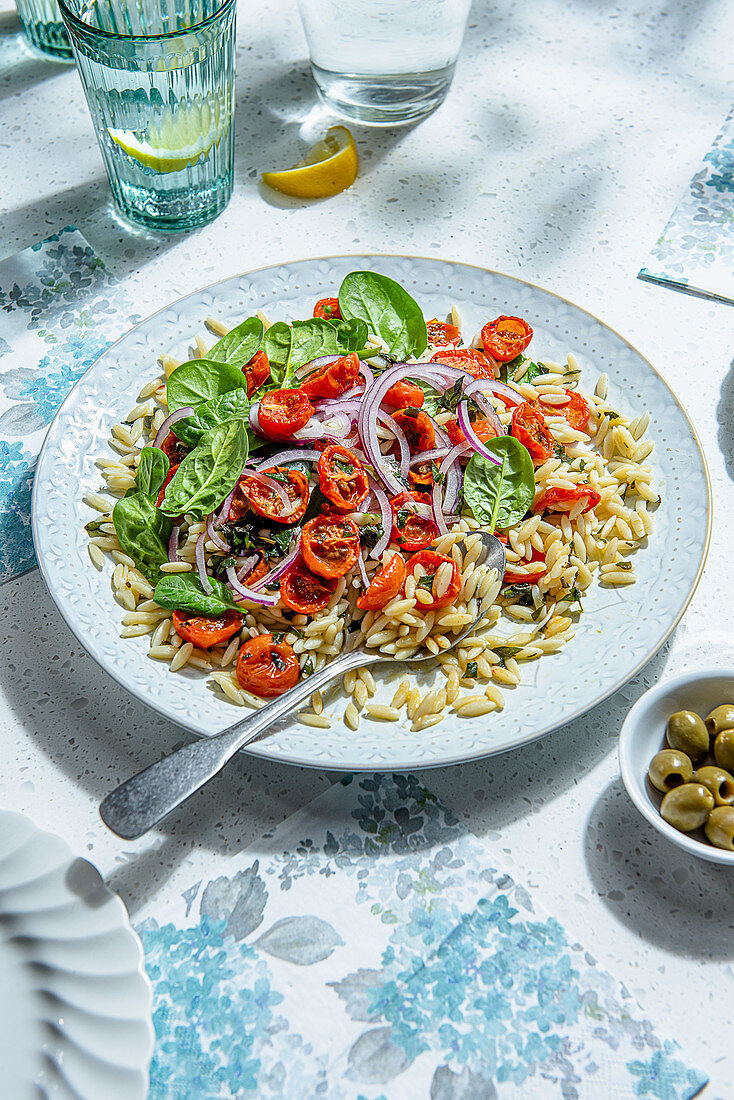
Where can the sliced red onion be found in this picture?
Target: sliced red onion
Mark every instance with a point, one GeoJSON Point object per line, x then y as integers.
{"type": "Point", "coordinates": [288, 456]}
{"type": "Point", "coordinates": [215, 538]}
{"type": "Point", "coordinates": [165, 427]}
{"type": "Point", "coordinates": [264, 599]}
{"type": "Point", "coordinates": [173, 544]}
{"type": "Point", "coordinates": [366, 373]}
{"type": "Point", "coordinates": [437, 508]}
{"type": "Point", "coordinates": [310, 431]}
{"type": "Point", "coordinates": [452, 476]}
{"type": "Point", "coordinates": [315, 364]}
{"type": "Point", "coordinates": [363, 571]}
{"type": "Point", "coordinates": [386, 518]}
{"type": "Point", "coordinates": [277, 573]}
{"type": "Point", "coordinates": [224, 510]}
{"type": "Point", "coordinates": [321, 404]}
{"type": "Point", "coordinates": [275, 487]}
{"type": "Point", "coordinates": [429, 456]}
{"type": "Point", "coordinates": [479, 385]}
{"type": "Point", "coordinates": [201, 564]}
{"type": "Point", "coordinates": [402, 441]}
{"type": "Point", "coordinates": [255, 419]}
{"type": "Point", "coordinates": [244, 570]}
{"type": "Point", "coordinates": [472, 437]}
{"type": "Point", "coordinates": [367, 426]}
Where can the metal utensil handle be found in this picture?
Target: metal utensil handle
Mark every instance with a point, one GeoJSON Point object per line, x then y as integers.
{"type": "Point", "coordinates": [140, 803]}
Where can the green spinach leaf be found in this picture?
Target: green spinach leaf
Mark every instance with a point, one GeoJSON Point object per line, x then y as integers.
{"type": "Point", "coordinates": [143, 532]}
{"type": "Point", "coordinates": [352, 334]}
{"type": "Point", "coordinates": [277, 346]}
{"type": "Point", "coordinates": [208, 473]}
{"type": "Point", "coordinates": [312, 338]}
{"type": "Point", "coordinates": [184, 592]}
{"type": "Point", "coordinates": [387, 310]}
{"type": "Point", "coordinates": [152, 472]}
{"type": "Point", "coordinates": [234, 405]}
{"type": "Point", "coordinates": [240, 343]}
{"type": "Point", "coordinates": [202, 380]}
{"type": "Point", "coordinates": [500, 495]}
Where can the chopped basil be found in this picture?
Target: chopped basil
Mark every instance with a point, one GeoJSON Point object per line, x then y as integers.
{"type": "Point", "coordinates": [411, 411]}
{"type": "Point", "coordinates": [243, 537]}
{"type": "Point", "coordinates": [277, 660]}
{"type": "Point", "coordinates": [449, 401]}
{"type": "Point", "coordinates": [94, 526]}
{"type": "Point", "coordinates": [343, 465]}
{"type": "Point", "coordinates": [506, 651]}
{"type": "Point", "coordinates": [438, 477]}
{"type": "Point", "coordinates": [426, 581]}
{"type": "Point", "coordinates": [472, 671]}
{"type": "Point", "coordinates": [308, 668]}
{"type": "Point", "coordinates": [370, 534]}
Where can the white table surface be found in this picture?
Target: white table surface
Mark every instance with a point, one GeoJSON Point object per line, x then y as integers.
{"type": "Point", "coordinates": [569, 135]}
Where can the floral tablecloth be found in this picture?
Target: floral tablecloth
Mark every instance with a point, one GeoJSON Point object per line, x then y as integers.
{"type": "Point", "coordinates": [371, 948]}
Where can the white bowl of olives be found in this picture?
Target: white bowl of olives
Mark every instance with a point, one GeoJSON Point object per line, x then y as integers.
{"type": "Point", "coordinates": [676, 755]}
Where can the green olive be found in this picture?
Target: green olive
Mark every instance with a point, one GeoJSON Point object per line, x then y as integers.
{"type": "Point", "coordinates": [669, 769]}
{"type": "Point", "coordinates": [687, 732]}
{"type": "Point", "coordinates": [719, 782]}
{"type": "Point", "coordinates": [720, 719]}
{"type": "Point", "coordinates": [724, 750]}
{"type": "Point", "coordinates": [687, 807]}
{"type": "Point", "coordinates": [719, 828]}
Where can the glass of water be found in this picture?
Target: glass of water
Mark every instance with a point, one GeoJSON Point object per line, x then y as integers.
{"type": "Point", "coordinates": [383, 63]}
{"type": "Point", "coordinates": [159, 80]}
{"type": "Point", "coordinates": [42, 26]}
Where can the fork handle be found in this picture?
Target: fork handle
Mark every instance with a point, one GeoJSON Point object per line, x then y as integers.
{"type": "Point", "coordinates": [140, 802]}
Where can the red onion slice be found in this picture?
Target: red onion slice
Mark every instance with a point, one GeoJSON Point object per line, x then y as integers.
{"type": "Point", "coordinates": [277, 573]}
{"type": "Point", "coordinates": [254, 419]}
{"type": "Point", "coordinates": [288, 456]}
{"type": "Point", "coordinates": [429, 456]}
{"type": "Point", "coordinates": [386, 518]}
{"type": "Point", "coordinates": [201, 564]}
{"type": "Point", "coordinates": [215, 538]}
{"type": "Point", "coordinates": [275, 487]}
{"type": "Point", "coordinates": [437, 508]}
{"type": "Point", "coordinates": [315, 364]}
{"type": "Point", "coordinates": [173, 544]}
{"type": "Point", "coordinates": [363, 571]}
{"type": "Point", "coordinates": [247, 567]}
{"type": "Point", "coordinates": [165, 427]}
{"type": "Point", "coordinates": [472, 437]}
{"type": "Point", "coordinates": [401, 438]}
{"type": "Point", "coordinates": [264, 599]}
{"type": "Point", "coordinates": [366, 373]}
{"type": "Point", "coordinates": [224, 510]}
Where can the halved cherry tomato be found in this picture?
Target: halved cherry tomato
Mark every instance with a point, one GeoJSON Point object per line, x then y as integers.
{"type": "Point", "coordinates": [483, 429]}
{"type": "Point", "coordinates": [327, 308]}
{"type": "Point", "coordinates": [564, 500]}
{"type": "Point", "coordinates": [385, 585]}
{"type": "Point", "coordinates": [265, 501]}
{"type": "Point", "coordinates": [411, 531]}
{"type": "Point", "coordinates": [420, 477]}
{"type": "Point", "coordinates": [530, 429]}
{"type": "Point", "coordinates": [207, 630]}
{"type": "Point", "coordinates": [342, 478]}
{"type": "Point", "coordinates": [256, 372]}
{"type": "Point", "coordinates": [403, 395]}
{"type": "Point", "coordinates": [332, 379]}
{"type": "Point", "coordinates": [174, 449]}
{"type": "Point", "coordinates": [576, 412]}
{"type": "Point", "coordinates": [169, 477]}
{"type": "Point", "coordinates": [537, 568]}
{"type": "Point", "coordinates": [429, 562]}
{"type": "Point", "coordinates": [474, 362]}
{"type": "Point", "coordinates": [283, 412]}
{"type": "Point", "coordinates": [506, 337]}
{"type": "Point", "coordinates": [303, 591]}
{"type": "Point", "coordinates": [260, 570]}
{"type": "Point", "coordinates": [267, 668]}
{"type": "Point", "coordinates": [330, 545]}
{"type": "Point", "coordinates": [418, 429]}
{"type": "Point", "coordinates": [439, 333]}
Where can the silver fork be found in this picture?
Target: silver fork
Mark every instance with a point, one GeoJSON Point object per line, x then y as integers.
{"type": "Point", "coordinates": [140, 802]}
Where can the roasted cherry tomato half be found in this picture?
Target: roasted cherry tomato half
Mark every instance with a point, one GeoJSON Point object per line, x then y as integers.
{"type": "Point", "coordinates": [530, 429]}
{"type": "Point", "coordinates": [427, 564]}
{"type": "Point", "coordinates": [266, 667]}
{"type": "Point", "coordinates": [333, 379]}
{"type": "Point", "coordinates": [576, 412]}
{"type": "Point", "coordinates": [442, 335]}
{"type": "Point", "coordinates": [535, 566]}
{"type": "Point", "coordinates": [342, 478]}
{"type": "Point", "coordinates": [385, 585]}
{"type": "Point", "coordinates": [256, 372]}
{"type": "Point", "coordinates": [402, 395]}
{"type": "Point", "coordinates": [483, 429]}
{"type": "Point", "coordinates": [174, 449]}
{"type": "Point", "coordinates": [418, 429]}
{"type": "Point", "coordinates": [266, 502]}
{"type": "Point", "coordinates": [420, 477]}
{"type": "Point", "coordinates": [474, 362]}
{"type": "Point", "coordinates": [330, 545]}
{"type": "Point", "coordinates": [506, 337]}
{"type": "Point", "coordinates": [162, 492]}
{"type": "Point", "coordinates": [283, 412]}
{"type": "Point", "coordinates": [565, 500]}
{"type": "Point", "coordinates": [328, 309]}
{"type": "Point", "coordinates": [303, 591]}
{"type": "Point", "coordinates": [207, 630]}
{"type": "Point", "coordinates": [411, 531]}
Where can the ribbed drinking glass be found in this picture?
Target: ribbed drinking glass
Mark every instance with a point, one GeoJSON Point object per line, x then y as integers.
{"type": "Point", "coordinates": [159, 80]}
{"type": "Point", "coordinates": [42, 26]}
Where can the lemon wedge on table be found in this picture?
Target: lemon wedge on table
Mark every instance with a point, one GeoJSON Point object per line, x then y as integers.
{"type": "Point", "coordinates": [328, 168]}
{"type": "Point", "coordinates": [178, 139]}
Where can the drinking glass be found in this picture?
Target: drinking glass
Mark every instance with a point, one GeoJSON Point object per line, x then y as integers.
{"type": "Point", "coordinates": [42, 26]}
{"type": "Point", "coordinates": [383, 63]}
{"type": "Point", "coordinates": [159, 80]}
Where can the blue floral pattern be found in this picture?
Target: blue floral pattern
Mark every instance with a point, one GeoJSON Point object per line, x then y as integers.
{"type": "Point", "coordinates": [372, 949]}
{"type": "Point", "coordinates": [696, 251]}
{"type": "Point", "coordinates": [58, 317]}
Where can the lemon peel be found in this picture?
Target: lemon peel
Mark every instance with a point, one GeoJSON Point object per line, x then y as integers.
{"type": "Point", "coordinates": [329, 167]}
{"type": "Point", "coordinates": [179, 139]}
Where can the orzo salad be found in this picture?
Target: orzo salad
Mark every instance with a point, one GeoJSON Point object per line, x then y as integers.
{"type": "Point", "coordinates": [294, 483]}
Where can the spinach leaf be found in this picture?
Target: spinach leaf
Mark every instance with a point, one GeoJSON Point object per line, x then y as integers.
{"type": "Point", "coordinates": [272, 542]}
{"type": "Point", "coordinates": [312, 338]}
{"type": "Point", "coordinates": [208, 473]}
{"type": "Point", "coordinates": [240, 343]}
{"type": "Point", "coordinates": [143, 531]}
{"type": "Point", "coordinates": [234, 405]}
{"type": "Point", "coordinates": [152, 472]}
{"type": "Point", "coordinates": [500, 495]}
{"type": "Point", "coordinates": [183, 592]}
{"type": "Point", "coordinates": [387, 309]}
{"type": "Point", "coordinates": [202, 380]}
{"type": "Point", "coordinates": [351, 334]}
{"type": "Point", "coordinates": [277, 346]}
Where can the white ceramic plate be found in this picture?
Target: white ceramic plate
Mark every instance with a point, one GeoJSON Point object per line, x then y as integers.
{"type": "Point", "coordinates": [75, 1009]}
{"type": "Point", "coordinates": [619, 633]}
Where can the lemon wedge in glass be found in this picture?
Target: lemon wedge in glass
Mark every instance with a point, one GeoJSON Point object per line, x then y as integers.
{"type": "Point", "coordinates": [178, 139]}
{"type": "Point", "coordinates": [328, 168]}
